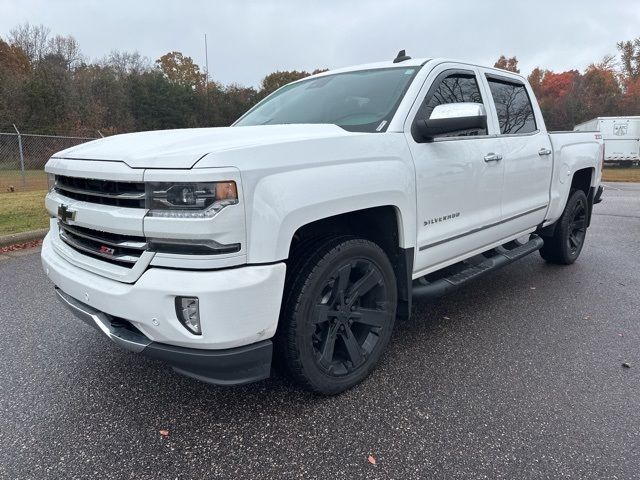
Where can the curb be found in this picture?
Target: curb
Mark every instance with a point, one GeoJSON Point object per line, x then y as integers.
{"type": "Point", "coordinates": [23, 237]}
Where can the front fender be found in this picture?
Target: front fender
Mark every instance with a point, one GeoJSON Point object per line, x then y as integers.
{"type": "Point", "coordinates": [284, 202]}
{"type": "Point", "coordinates": [289, 184]}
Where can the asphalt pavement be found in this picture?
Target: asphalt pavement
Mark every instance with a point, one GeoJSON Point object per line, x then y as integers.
{"type": "Point", "coordinates": [518, 375]}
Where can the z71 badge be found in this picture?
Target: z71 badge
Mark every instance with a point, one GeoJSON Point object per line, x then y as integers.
{"type": "Point", "coordinates": [431, 221]}
{"type": "Point", "coordinates": [107, 250]}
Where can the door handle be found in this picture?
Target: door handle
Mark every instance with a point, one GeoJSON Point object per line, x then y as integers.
{"type": "Point", "coordinates": [492, 157]}
{"type": "Point", "coordinates": [544, 152]}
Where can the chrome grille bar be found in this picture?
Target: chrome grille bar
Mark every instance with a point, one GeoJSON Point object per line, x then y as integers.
{"type": "Point", "coordinates": [110, 247]}
{"type": "Point", "coordinates": [102, 238]}
{"type": "Point", "coordinates": [79, 246]}
{"type": "Point", "coordinates": [93, 193]}
{"type": "Point", "coordinates": [104, 192]}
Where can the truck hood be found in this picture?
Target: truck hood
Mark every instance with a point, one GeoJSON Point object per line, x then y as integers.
{"type": "Point", "coordinates": [184, 147]}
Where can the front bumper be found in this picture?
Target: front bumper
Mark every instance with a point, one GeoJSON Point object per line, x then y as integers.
{"type": "Point", "coordinates": [223, 367]}
{"type": "Point", "coordinates": [238, 306]}
{"type": "Point", "coordinates": [239, 311]}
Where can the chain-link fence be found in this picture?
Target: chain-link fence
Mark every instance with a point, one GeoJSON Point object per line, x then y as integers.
{"type": "Point", "coordinates": [22, 159]}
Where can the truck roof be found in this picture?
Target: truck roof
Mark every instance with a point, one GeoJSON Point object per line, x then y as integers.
{"type": "Point", "coordinates": [412, 62]}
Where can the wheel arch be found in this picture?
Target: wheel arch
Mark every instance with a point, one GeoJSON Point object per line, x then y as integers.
{"type": "Point", "coordinates": [582, 179]}
{"type": "Point", "coordinates": [382, 225]}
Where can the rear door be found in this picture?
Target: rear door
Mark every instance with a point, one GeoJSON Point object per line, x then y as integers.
{"type": "Point", "coordinates": [526, 151]}
{"type": "Point", "coordinates": [458, 189]}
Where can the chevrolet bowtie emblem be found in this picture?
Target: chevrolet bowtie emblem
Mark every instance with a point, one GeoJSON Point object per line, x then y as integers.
{"type": "Point", "coordinates": [65, 214]}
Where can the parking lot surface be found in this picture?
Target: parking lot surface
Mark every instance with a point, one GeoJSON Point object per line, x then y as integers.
{"type": "Point", "coordinates": [518, 375]}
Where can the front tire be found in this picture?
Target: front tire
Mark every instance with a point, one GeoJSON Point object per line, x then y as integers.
{"type": "Point", "coordinates": [338, 314]}
{"type": "Point", "coordinates": [565, 245]}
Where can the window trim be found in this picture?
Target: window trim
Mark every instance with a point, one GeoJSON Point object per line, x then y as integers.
{"type": "Point", "coordinates": [516, 82]}
{"type": "Point", "coordinates": [434, 85]}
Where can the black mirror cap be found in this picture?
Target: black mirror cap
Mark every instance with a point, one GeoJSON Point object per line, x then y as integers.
{"type": "Point", "coordinates": [427, 130]}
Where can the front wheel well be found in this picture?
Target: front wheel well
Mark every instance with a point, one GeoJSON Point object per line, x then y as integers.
{"type": "Point", "coordinates": [381, 225]}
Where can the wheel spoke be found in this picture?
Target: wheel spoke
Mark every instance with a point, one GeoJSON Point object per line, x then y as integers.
{"type": "Point", "coordinates": [321, 313]}
{"type": "Point", "coordinates": [326, 355]}
{"type": "Point", "coordinates": [353, 347]}
{"type": "Point", "coordinates": [370, 316]}
{"type": "Point", "coordinates": [341, 283]}
{"type": "Point", "coordinates": [578, 224]}
{"type": "Point", "coordinates": [573, 241]}
{"type": "Point", "coordinates": [369, 280]}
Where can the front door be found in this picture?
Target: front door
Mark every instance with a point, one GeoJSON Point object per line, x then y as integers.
{"type": "Point", "coordinates": [458, 177]}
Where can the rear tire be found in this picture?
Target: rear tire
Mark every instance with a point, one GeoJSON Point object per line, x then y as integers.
{"type": "Point", "coordinates": [338, 313]}
{"type": "Point", "coordinates": [565, 245]}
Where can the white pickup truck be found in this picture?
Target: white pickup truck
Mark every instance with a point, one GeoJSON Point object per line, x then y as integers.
{"type": "Point", "coordinates": [304, 229]}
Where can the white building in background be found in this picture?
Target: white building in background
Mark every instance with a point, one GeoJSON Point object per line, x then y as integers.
{"type": "Point", "coordinates": [621, 137]}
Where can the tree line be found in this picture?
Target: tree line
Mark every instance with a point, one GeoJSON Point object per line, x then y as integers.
{"type": "Point", "coordinates": [610, 87]}
{"type": "Point", "coordinates": [48, 86]}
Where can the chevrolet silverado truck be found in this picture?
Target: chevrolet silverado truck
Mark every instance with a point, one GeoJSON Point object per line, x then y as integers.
{"type": "Point", "coordinates": [300, 233]}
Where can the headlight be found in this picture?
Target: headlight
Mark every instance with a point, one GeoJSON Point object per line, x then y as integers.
{"type": "Point", "coordinates": [189, 200]}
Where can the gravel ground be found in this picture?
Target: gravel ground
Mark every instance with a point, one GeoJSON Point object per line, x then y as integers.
{"type": "Point", "coordinates": [518, 375]}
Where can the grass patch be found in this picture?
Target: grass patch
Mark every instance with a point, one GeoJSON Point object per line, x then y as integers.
{"type": "Point", "coordinates": [12, 180]}
{"type": "Point", "coordinates": [22, 211]}
{"type": "Point", "coordinates": [621, 174]}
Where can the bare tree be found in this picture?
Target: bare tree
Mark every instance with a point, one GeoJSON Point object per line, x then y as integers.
{"type": "Point", "coordinates": [67, 48]}
{"type": "Point", "coordinates": [32, 39]}
{"type": "Point", "coordinates": [127, 63]}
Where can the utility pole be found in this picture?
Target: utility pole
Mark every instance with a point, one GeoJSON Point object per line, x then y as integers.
{"type": "Point", "coordinates": [206, 60]}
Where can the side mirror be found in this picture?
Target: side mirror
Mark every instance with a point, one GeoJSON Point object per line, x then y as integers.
{"type": "Point", "coordinates": [453, 117]}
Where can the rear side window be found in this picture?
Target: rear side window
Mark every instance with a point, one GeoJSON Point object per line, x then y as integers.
{"type": "Point", "coordinates": [454, 88]}
{"type": "Point", "coordinates": [513, 106]}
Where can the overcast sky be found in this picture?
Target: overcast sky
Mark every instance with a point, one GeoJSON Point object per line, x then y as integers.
{"type": "Point", "coordinates": [248, 39]}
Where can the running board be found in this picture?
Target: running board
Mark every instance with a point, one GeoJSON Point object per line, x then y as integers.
{"type": "Point", "coordinates": [424, 290]}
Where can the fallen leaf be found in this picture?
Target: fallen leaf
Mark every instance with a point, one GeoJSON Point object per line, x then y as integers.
{"type": "Point", "coordinates": [372, 459]}
{"type": "Point", "coordinates": [20, 246]}
{"type": "Point", "coordinates": [164, 433]}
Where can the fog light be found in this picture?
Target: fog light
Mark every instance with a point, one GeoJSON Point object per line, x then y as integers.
{"type": "Point", "coordinates": [188, 312]}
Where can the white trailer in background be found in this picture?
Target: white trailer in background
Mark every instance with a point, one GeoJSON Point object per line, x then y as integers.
{"type": "Point", "coordinates": [621, 137]}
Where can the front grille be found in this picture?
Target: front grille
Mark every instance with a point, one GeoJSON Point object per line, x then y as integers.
{"type": "Point", "coordinates": [104, 192]}
{"type": "Point", "coordinates": [118, 249]}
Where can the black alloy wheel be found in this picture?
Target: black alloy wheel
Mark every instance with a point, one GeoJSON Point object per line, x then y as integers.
{"type": "Point", "coordinates": [348, 317]}
{"type": "Point", "coordinates": [565, 244]}
{"type": "Point", "coordinates": [338, 313]}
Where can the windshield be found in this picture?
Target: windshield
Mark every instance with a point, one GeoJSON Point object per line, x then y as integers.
{"type": "Point", "coordinates": [361, 101]}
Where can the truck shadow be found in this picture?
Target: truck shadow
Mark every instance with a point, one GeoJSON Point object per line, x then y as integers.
{"type": "Point", "coordinates": [420, 350]}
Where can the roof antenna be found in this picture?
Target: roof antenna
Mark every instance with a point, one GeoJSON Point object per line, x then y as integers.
{"type": "Point", "coordinates": [401, 57]}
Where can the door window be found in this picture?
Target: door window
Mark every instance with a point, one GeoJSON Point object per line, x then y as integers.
{"type": "Point", "coordinates": [513, 106]}
{"type": "Point", "coordinates": [453, 88]}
